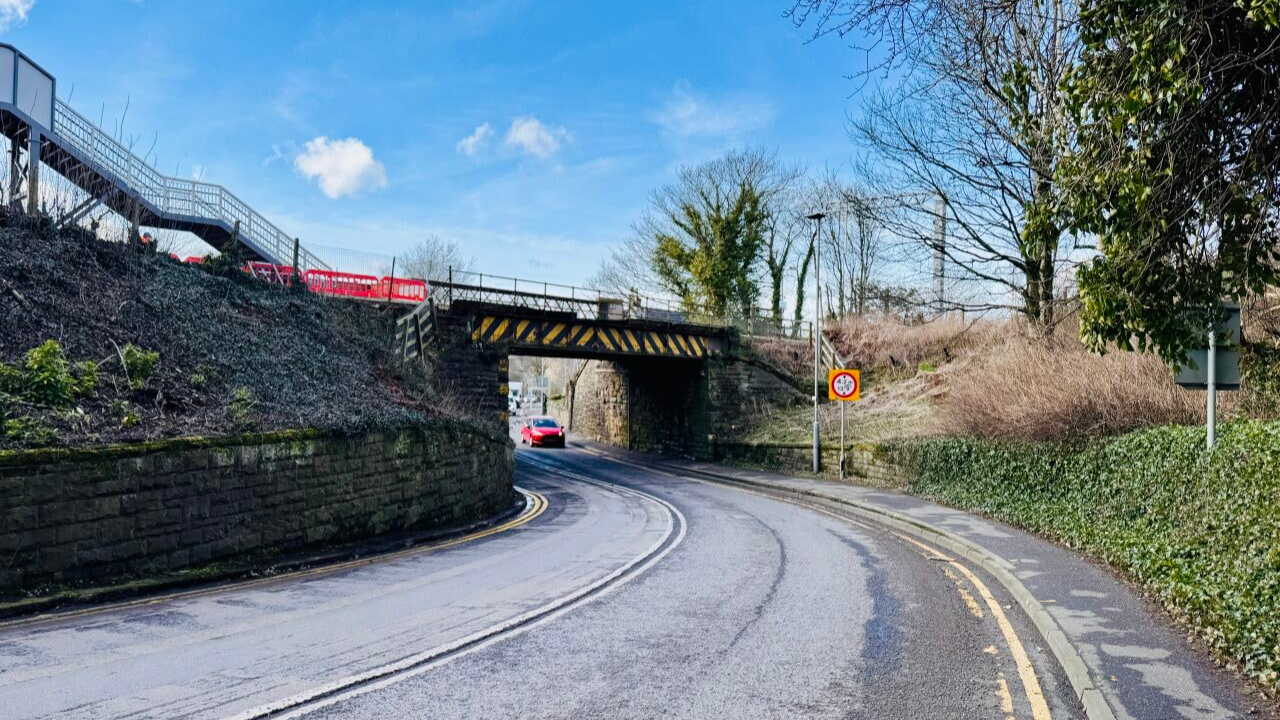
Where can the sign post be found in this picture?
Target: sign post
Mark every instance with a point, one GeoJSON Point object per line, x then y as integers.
{"type": "Point", "coordinates": [1211, 385]}
{"type": "Point", "coordinates": [1214, 368]}
{"type": "Point", "coordinates": [845, 386]}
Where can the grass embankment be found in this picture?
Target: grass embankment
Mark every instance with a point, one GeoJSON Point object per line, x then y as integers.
{"type": "Point", "coordinates": [983, 378]}
{"type": "Point", "coordinates": [100, 343]}
{"type": "Point", "coordinates": [1199, 530]}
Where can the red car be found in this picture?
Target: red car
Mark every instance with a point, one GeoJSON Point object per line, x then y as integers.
{"type": "Point", "coordinates": [542, 430]}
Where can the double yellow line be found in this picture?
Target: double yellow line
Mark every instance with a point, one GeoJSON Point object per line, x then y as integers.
{"type": "Point", "coordinates": [535, 505]}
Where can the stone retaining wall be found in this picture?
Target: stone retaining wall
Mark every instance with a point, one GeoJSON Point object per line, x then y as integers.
{"type": "Point", "coordinates": [72, 515]}
{"type": "Point", "coordinates": [863, 462]}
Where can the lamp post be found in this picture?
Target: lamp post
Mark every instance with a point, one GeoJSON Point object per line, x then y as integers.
{"type": "Point", "coordinates": [817, 329]}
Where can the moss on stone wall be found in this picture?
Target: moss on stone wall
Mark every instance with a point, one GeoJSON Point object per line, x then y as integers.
{"type": "Point", "coordinates": [88, 513]}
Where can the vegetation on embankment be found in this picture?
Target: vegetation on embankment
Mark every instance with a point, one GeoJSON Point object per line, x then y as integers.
{"type": "Point", "coordinates": [1199, 530]}
{"type": "Point", "coordinates": [101, 343]}
{"type": "Point", "coordinates": [989, 378]}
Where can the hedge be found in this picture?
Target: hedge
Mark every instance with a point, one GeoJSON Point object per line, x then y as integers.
{"type": "Point", "coordinates": [1200, 530]}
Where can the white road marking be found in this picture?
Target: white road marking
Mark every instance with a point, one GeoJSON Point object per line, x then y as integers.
{"type": "Point", "coordinates": [336, 691]}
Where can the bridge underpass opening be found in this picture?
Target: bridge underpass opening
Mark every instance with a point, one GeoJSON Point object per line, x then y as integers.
{"type": "Point", "coordinates": [640, 403]}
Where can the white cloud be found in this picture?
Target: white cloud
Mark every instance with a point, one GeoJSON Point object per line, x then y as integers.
{"type": "Point", "coordinates": [14, 12]}
{"type": "Point", "coordinates": [472, 143]}
{"type": "Point", "coordinates": [688, 113]}
{"type": "Point", "coordinates": [342, 167]}
{"type": "Point", "coordinates": [531, 137]}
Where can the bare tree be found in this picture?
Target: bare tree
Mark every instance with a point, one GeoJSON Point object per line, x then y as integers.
{"type": "Point", "coordinates": [972, 112]}
{"type": "Point", "coordinates": [865, 216]}
{"type": "Point", "coordinates": [627, 269]}
{"type": "Point", "coordinates": [788, 250]}
{"type": "Point", "coordinates": [432, 257]}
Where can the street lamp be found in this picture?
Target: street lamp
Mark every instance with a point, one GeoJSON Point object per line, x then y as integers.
{"type": "Point", "coordinates": [817, 328]}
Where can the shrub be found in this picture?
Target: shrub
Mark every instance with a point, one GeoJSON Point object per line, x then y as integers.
{"type": "Point", "coordinates": [11, 380]}
{"type": "Point", "coordinates": [46, 376]}
{"type": "Point", "coordinates": [201, 376]}
{"type": "Point", "coordinates": [86, 378]}
{"type": "Point", "coordinates": [1199, 529]}
{"type": "Point", "coordinates": [1260, 379]}
{"type": "Point", "coordinates": [28, 431]}
{"type": "Point", "coordinates": [242, 404]}
{"type": "Point", "coordinates": [139, 364]}
{"type": "Point", "coordinates": [125, 412]}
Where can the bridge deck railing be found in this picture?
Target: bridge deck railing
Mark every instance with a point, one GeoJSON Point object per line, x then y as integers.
{"type": "Point", "coordinates": [582, 302]}
{"type": "Point", "coordinates": [593, 303]}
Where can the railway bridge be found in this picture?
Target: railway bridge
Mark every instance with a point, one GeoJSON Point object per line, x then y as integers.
{"type": "Point", "coordinates": [653, 376]}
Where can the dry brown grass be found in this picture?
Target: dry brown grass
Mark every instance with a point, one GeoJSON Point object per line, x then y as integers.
{"type": "Point", "coordinates": [1037, 389]}
{"type": "Point", "coordinates": [792, 357]}
{"type": "Point", "coordinates": [876, 342]}
{"type": "Point", "coordinates": [989, 378]}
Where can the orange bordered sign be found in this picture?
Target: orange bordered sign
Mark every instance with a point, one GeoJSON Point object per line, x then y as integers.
{"type": "Point", "coordinates": [844, 385]}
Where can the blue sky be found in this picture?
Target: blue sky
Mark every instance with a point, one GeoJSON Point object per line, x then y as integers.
{"type": "Point", "coordinates": [530, 131]}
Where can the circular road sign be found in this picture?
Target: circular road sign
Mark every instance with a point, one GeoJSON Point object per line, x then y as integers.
{"type": "Point", "coordinates": [844, 385]}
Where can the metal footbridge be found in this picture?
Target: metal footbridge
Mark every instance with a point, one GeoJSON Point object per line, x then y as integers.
{"type": "Point", "coordinates": [45, 130]}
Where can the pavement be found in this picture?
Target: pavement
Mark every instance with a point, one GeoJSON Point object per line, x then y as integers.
{"type": "Point", "coordinates": [637, 592]}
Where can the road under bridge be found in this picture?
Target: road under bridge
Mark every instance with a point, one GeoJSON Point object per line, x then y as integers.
{"type": "Point", "coordinates": [654, 376]}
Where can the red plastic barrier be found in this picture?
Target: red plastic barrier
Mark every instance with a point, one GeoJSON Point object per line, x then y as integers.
{"type": "Point", "coordinates": [196, 259]}
{"type": "Point", "coordinates": [329, 282]}
{"type": "Point", "coordinates": [405, 289]}
{"type": "Point", "coordinates": [341, 284]}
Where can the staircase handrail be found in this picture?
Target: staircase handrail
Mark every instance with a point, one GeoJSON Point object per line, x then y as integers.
{"type": "Point", "coordinates": [191, 198]}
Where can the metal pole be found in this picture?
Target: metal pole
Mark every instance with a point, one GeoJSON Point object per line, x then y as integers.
{"type": "Point", "coordinates": [15, 173]}
{"type": "Point", "coordinates": [842, 404]}
{"type": "Point", "coordinates": [391, 285]}
{"type": "Point", "coordinates": [295, 256]}
{"type": "Point", "coordinates": [33, 174]}
{"type": "Point", "coordinates": [1212, 401]}
{"type": "Point", "coordinates": [817, 334]}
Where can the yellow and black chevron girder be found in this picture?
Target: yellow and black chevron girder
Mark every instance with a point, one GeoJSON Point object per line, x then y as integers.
{"type": "Point", "coordinates": [591, 337]}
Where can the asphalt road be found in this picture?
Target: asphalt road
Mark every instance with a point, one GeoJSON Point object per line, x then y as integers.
{"type": "Point", "coordinates": [635, 594]}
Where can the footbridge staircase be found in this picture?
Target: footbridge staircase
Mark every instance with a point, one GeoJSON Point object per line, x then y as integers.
{"type": "Point", "coordinates": [46, 131]}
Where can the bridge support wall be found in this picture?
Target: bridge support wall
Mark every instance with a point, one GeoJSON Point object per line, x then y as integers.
{"type": "Point", "coordinates": [655, 405]}
{"type": "Point", "coordinates": [475, 374]}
